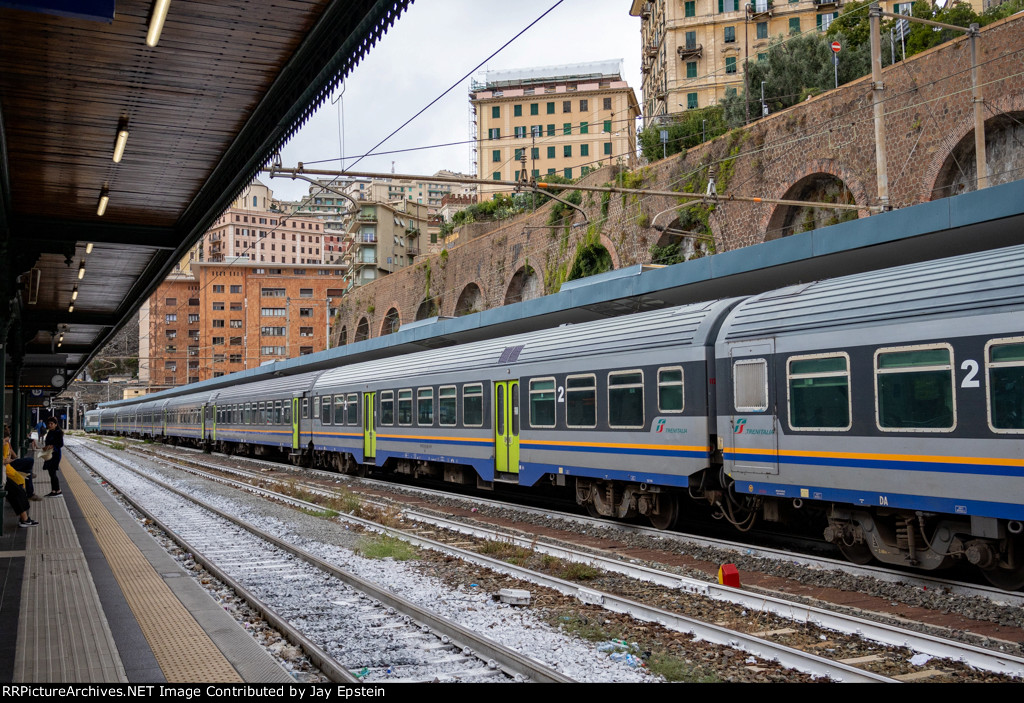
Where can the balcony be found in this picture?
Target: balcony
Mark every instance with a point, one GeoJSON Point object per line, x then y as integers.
{"type": "Point", "coordinates": [651, 51]}
{"type": "Point", "coordinates": [756, 8]}
{"type": "Point", "coordinates": [690, 51]}
{"type": "Point", "coordinates": [820, 3]}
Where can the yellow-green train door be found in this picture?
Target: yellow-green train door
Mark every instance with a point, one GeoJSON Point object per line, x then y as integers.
{"type": "Point", "coordinates": [506, 427]}
{"type": "Point", "coordinates": [369, 427]}
{"type": "Point", "coordinates": [295, 423]}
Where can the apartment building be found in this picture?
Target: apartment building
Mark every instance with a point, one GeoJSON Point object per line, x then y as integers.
{"type": "Point", "coordinates": [169, 334]}
{"type": "Point", "coordinates": [256, 228]}
{"type": "Point", "coordinates": [234, 315]}
{"type": "Point", "coordinates": [386, 237]}
{"type": "Point", "coordinates": [694, 51]}
{"type": "Point", "coordinates": [564, 120]}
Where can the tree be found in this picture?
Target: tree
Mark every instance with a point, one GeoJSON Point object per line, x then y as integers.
{"type": "Point", "coordinates": [795, 68]}
{"type": "Point", "coordinates": [923, 36]}
{"type": "Point", "coordinates": [685, 131]}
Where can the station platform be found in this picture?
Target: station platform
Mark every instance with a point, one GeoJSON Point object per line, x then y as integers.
{"type": "Point", "coordinates": [88, 596]}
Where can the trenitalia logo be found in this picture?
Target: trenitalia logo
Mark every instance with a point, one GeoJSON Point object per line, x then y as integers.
{"type": "Point", "coordinates": [741, 424]}
{"type": "Point", "coordinates": [659, 426]}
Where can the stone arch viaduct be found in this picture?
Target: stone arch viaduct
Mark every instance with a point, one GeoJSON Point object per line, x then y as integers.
{"type": "Point", "coordinates": [821, 150]}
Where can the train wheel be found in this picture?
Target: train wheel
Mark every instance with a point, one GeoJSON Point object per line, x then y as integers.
{"type": "Point", "coordinates": [857, 553]}
{"type": "Point", "coordinates": [1006, 579]}
{"type": "Point", "coordinates": [668, 513]}
{"type": "Point", "coordinates": [592, 510]}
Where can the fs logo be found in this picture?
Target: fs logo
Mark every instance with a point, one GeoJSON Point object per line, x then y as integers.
{"type": "Point", "coordinates": [740, 424]}
{"type": "Point", "coordinates": [660, 426]}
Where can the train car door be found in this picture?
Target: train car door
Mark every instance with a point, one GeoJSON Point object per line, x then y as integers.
{"type": "Point", "coordinates": [213, 420]}
{"type": "Point", "coordinates": [506, 426]}
{"type": "Point", "coordinates": [753, 440]}
{"type": "Point", "coordinates": [369, 426]}
{"type": "Point", "coordinates": [295, 423]}
{"type": "Point", "coordinates": [202, 421]}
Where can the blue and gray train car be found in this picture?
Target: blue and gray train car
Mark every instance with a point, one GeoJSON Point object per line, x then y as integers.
{"type": "Point", "coordinates": [890, 405]}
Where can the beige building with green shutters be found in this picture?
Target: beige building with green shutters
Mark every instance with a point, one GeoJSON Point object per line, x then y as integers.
{"type": "Point", "coordinates": [564, 120]}
{"type": "Point", "coordinates": [694, 50]}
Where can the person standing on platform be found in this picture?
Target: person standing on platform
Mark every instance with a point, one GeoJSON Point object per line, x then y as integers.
{"type": "Point", "coordinates": [54, 443]}
{"type": "Point", "coordinates": [15, 485]}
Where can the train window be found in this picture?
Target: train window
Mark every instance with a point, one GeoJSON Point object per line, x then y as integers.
{"type": "Point", "coordinates": [425, 406]}
{"type": "Point", "coordinates": [278, 415]}
{"type": "Point", "coordinates": [581, 401]}
{"type": "Point", "coordinates": [473, 405]}
{"type": "Point", "coordinates": [353, 409]}
{"type": "Point", "coordinates": [305, 408]}
{"type": "Point", "coordinates": [286, 412]}
{"type": "Point", "coordinates": [405, 407]}
{"type": "Point", "coordinates": [387, 407]}
{"type": "Point", "coordinates": [261, 416]}
{"type": "Point", "coordinates": [626, 399]}
{"type": "Point", "coordinates": [818, 392]}
{"type": "Point", "coordinates": [542, 402]}
{"type": "Point", "coordinates": [914, 389]}
{"type": "Point", "coordinates": [670, 390]}
{"type": "Point", "coordinates": [1004, 365]}
{"type": "Point", "coordinates": [750, 385]}
{"type": "Point", "coordinates": [327, 410]}
{"type": "Point", "coordinates": [316, 407]}
{"type": "Point", "coordinates": [339, 410]}
{"type": "Point", "coordinates": [447, 406]}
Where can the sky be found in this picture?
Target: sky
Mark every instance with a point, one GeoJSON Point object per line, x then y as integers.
{"type": "Point", "coordinates": [434, 44]}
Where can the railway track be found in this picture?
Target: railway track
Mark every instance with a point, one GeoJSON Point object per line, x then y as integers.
{"type": "Point", "coordinates": [877, 572]}
{"type": "Point", "coordinates": [340, 620]}
{"type": "Point", "coordinates": [758, 637]}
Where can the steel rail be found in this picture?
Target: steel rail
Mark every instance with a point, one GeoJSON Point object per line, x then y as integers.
{"type": "Point", "coordinates": [511, 661]}
{"type": "Point", "coordinates": [786, 656]}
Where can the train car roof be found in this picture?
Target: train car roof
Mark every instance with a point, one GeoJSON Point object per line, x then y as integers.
{"type": "Point", "coordinates": [980, 283]}
{"type": "Point", "coordinates": [687, 325]}
{"type": "Point", "coordinates": [285, 386]}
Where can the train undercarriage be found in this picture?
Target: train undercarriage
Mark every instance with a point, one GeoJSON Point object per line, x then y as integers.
{"type": "Point", "coordinates": [931, 541]}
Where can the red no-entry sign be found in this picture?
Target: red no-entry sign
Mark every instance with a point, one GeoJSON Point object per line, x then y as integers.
{"type": "Point", "coordinates": [835, 47]}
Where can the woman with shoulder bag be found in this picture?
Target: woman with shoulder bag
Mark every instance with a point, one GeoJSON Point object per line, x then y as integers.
{"type": "Point", "coordinates": [54, 442]}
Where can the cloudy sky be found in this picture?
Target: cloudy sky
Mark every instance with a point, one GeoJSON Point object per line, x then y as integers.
{"type": "Point", "coordinates": [430, 48]}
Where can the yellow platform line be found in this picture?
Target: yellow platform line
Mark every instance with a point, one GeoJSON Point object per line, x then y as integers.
{"type": "Point", "coordinates": [182, 649]}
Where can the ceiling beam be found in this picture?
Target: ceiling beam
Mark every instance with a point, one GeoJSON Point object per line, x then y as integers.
{"type": "Point", "coordinates": [52, 230]}
{"type": "Point", "coordinates": [49, 319]}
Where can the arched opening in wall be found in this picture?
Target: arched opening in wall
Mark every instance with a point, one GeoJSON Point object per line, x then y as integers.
{"type": "Point", "coordinates": [362, 330]}
{"type": "Point", "coordinates": [591, 259]}
{"type": "Point", "coordinates": [343, 337]}
{"type": "Point", "coordinates": [391, 322]}
{"type": "Point", "coordinates": [817, 187]}
{"type": "Point", "coordinates": [676, 245]}
{"type": "Point", "coordinates": [525, 285]}
{"type": "Point", "coordinates": [1004, 156]}
{"type": "Point", "coordinates": [470, 301]}
{"type": "Point", "coordinates": [428, 308]}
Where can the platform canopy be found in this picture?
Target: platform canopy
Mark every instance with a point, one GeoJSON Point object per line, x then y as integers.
{"type": "Point", "coordinates": [226, 84]}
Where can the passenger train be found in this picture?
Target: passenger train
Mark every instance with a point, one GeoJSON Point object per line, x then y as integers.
{"type": "Point", "coordinates": [889, 405]}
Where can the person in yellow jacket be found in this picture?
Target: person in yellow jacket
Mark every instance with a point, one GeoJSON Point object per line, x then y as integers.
{"type": "Point", "coordinates": [15, 485]}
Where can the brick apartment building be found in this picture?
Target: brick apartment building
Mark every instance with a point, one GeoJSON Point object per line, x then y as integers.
{"type": "Point", "coordinates": [235, 315]}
